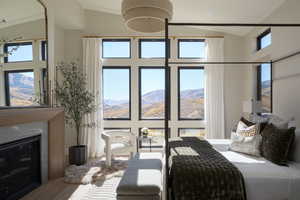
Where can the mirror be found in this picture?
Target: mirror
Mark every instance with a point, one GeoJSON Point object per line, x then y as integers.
{"type": "Point", "coordinates": [23, 54]}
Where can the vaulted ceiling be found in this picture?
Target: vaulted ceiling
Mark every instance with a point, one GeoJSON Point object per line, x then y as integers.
{"type": "Point", "coordinates": [222, 11]}
{"type": "Point", "coordinates": [16, 11]}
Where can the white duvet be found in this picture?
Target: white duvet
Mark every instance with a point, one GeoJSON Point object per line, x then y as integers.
{"type": "Point", "coordinates": [263, 179]}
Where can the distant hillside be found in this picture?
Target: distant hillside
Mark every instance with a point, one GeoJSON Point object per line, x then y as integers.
{"type": "Point", "coordinates": [21, 89]}
{"type": "Point", "coordinates": [192, 105]}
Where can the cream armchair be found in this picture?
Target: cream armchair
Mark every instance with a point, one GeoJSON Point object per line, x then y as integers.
{"type": "Point", "coordinates": [118, 142]}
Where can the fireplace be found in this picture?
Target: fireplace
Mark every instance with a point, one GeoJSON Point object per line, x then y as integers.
{"type": "Point", "coordinates": [20, 167]}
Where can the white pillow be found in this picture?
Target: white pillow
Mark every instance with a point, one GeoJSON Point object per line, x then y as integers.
{"type": "Point", "coordinates": [246, 139]}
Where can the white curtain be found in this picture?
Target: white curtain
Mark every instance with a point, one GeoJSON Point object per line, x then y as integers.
{"type": "Point", "coordinates": [214, 89]}
{"type": "Point", "coordinates": [92, 67]}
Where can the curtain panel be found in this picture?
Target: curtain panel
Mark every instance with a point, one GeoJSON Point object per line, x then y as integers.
{"type": "Point", "coordinates": [92, 67]}
{"type": "Point", "coordinates": [214, 89]}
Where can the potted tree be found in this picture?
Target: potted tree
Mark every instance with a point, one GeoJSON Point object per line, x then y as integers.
{"type": "Point", "coordinates": [77, 101]}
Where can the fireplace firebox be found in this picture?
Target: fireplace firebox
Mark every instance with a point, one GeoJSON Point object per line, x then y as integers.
{"type": "Point", "coordinates": [20, 167]}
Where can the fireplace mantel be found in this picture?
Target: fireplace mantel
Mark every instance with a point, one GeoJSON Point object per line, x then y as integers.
{"type": "Point", "coordinates": [56, 132]}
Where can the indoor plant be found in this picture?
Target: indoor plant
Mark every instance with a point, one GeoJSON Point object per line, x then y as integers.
{"type": "Point", "coordinates": [77, 101]}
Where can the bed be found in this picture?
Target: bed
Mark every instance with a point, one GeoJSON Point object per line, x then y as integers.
{"type": "Point", "coordinates": [263, 179]}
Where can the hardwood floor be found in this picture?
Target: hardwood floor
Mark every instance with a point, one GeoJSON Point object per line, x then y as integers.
{"type": "Point", "coordinates": [58, 190]}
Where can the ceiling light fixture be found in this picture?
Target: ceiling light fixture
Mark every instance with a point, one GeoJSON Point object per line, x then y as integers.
{"type": "Point", "coordinates": [146, 16]}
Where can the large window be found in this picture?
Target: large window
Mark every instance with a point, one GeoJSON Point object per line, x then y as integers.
{"type": "Point", "coordinates": [19, 87]}
{"type": "Point", "coordinates": [152, 48]}
{"type": "Point", "coordinates": [264, 87]}
{"type": "Point", "coordinates": [116, 92]}
{"type": "Point", "coordinates": [264, 40]}
{"type": "Point", "coordinates": [191, 48]}
{"type": "Point", "coordinates": [191, 93]}
{"type": "Point", "coordinates": [18, 52]}
{"type": "Point", "coordinates": [152, 92]}
{"type": "Point", "coordinates": [191, 132]}
{"type": "Point", "coordinates": [118, 48]}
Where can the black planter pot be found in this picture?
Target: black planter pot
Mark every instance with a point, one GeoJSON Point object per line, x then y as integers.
{"type": "Point", "coordinates": [77, 155]}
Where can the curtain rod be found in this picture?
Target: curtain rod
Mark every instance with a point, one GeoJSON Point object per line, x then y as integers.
{"type": "Point", "coordinates": [27, 40]}
{"type": "Point", "coordinates": [218, 63]}
{"type": "Point", "coordinates": [233, 24]}
{"type": "Point", "coordinates": [135, 36]}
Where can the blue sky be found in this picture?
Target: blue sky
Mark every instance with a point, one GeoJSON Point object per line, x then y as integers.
{"type": "Point", "coordinates": [265, 72]}
{"type": "Point", "coordinates": [191, 79]}
{"type": "Point", "coordinates": [116, 84]}
{"type": "Point", "coordinates": [266, 41]}
{"type": "Point", "coordinates": [23, 53]}
{"type": "Point", "coordinates": [152, 79]}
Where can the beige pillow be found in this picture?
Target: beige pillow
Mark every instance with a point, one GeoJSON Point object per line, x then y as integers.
{"type": "Point", "coordinates": [246, 139]}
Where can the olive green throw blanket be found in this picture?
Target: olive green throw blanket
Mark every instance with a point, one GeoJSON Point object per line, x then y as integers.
{"type": "Point", "coordinates": [199, 172]}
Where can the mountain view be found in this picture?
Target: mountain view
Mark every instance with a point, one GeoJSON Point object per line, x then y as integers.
{"type": "Point", "coordinates": [191, 104]}
{"type": "Point", "coordinates": [21, 89]}
{"type": "Point", "coordinates": [266, 96]}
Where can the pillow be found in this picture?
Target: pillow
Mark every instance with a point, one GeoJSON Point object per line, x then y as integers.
{"type": "Point", "coordinates": [278, 122]}
{"type": "Point", "coordinates": [276, 143]}
{"type": "Point", "coordinates": [246, 139]}
{"type": "Point", "coordinates": [262, 120]}
{"type": "Point", "coordinates": [247, 122]}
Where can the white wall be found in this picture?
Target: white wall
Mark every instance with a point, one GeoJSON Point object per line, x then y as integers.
{"type": "Point", "coordinates": [286, 95]}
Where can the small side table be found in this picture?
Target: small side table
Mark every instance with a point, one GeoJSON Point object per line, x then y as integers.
{"type": "Point", "coordinates": [142, 139]}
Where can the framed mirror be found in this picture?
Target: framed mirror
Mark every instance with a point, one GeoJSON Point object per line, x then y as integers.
{"type": "Point", "coordinates": [23, 54]}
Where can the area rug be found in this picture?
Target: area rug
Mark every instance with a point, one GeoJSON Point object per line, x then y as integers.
{"type": "Point", "coordinates": [94, 170]}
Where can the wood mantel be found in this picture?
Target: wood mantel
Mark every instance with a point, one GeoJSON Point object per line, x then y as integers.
{"type": "Point", "coordinates": [56, 132]}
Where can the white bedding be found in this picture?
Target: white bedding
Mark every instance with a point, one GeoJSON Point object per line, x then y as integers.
{"type": "Point", "coordinates": [263, 179]}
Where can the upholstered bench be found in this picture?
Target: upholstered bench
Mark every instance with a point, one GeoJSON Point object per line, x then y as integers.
{"type": "Point", "coordinates": [143, 178]}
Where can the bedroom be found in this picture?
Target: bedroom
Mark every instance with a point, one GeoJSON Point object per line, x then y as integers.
{"type": "Point", "coordinates": [131, 76]}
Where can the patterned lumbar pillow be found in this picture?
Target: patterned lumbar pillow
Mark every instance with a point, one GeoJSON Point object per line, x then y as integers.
{"type": "Point", "coordinates": [276, 143]}
{"type": "Point", "coordinates": [246, 139]}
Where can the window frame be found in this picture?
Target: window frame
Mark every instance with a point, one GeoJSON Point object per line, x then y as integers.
{"type": "Point", "coordinates": [187, 40]}
{"type": "Point", "coordinates": [151, 40]}
{"type": "Point", "coordinates": [43, 50]}
{"type": "Point", "coordinates": [5, 48]}
{"type": "Point", "coordinates": [260, 37]}
{"type": "Point", "coordinates": [178, 133]}
{"type": "Point", "coordinates": [7, 86]}
{"type": "Point", "coordinates": [179, 118]}
{"type": "Point", "coordinates": [116, 40]}
{"type": "Point", "coordinates": [129, 104]}
{"type": "Point", "coordinates": [140, 90]}
{"type": "Point", "coordinates": [258, 85]}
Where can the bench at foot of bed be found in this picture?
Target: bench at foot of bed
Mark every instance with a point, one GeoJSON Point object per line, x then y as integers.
{"type": "Point", "coordinates": [143, 178]}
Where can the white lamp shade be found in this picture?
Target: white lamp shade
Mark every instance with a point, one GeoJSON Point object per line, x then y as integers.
{"type": "Point", "coordinates": [247, 106]}
{"type": "Point", "coordinates": [146, 16]}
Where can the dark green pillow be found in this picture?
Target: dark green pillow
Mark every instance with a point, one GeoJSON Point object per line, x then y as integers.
{"type": "Point", "coordinates": [276, 143]}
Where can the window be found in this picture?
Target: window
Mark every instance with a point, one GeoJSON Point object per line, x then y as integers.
{"type": "Point", "coordinates": [18, 52]}
{"type": "Point", "coordinates": [43, 50]}
{"type": "Point", "coordinates": [116, 92]}
{"type": "Point", "coordinates": [118, 48]}
{"type": "Point", "coordinates": [191, 93]}
{"type": "Point", "coordinates": [191, 132]}
{"type": "Point", "coordinates": [264, 87]}
{"type": "Point", "coordinates": [19, 87]}
{"type": "Point", "coordinates": [191, 48]}
{"type": "Point", "coordinates": [151, 93]}
{"type": "Point", "coordinates": [156, 136]}
{"type": "Point", "coordinates": [152, 48]}
{"type": "Point", "coordinates": [264, 40]}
